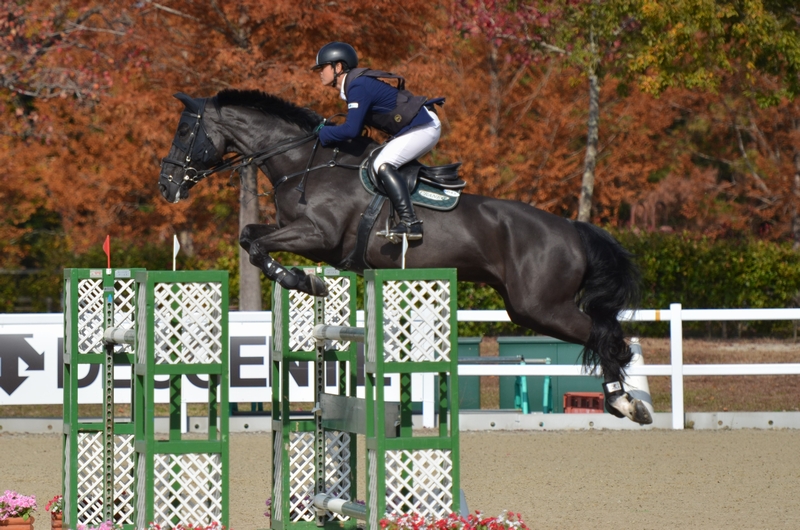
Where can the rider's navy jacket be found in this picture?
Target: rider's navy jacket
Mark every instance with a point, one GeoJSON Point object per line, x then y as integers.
{"type": "Point", "coordinates": [365, 95]}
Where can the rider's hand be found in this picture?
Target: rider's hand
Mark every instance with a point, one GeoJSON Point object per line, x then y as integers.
{"type": "Point", "coordinates": [319, 127]}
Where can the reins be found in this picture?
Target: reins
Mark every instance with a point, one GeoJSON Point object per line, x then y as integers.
{"type": "Point", "coordinates": [237, 161]}
{"type": "Point", "coordinates": [331, 163]}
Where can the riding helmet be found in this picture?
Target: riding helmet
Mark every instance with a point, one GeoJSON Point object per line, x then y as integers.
{"type": "Point", "coordinates": [337, 52]}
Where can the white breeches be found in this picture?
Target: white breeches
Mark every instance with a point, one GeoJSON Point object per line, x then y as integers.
{"type": "Point", "coordinates": [412, 144]}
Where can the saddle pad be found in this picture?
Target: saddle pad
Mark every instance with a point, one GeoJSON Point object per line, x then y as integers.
{"type": "Point", "coordinates": [424, 194]}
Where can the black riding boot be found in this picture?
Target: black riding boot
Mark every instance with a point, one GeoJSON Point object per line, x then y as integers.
{"type": "Point", "coordinates": [397, 191]}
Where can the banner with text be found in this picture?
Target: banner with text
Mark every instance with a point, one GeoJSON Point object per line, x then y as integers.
{"type": "Point", "coordinates": [32, 353]}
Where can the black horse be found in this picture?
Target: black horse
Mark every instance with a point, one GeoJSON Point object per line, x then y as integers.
{"type": "Point", "coordinates": [562, 278]}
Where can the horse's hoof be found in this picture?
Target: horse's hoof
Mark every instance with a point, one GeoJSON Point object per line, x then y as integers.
{"type": "Point", "coordinates": [613, 410]}
{"type": "Point", "coordinates": [640, 413]}
{"type": "Point", "coordinates": [310, 283]}
{"type": "Point", "coordinates": [318, 286]}
{"type": "Point", "coordinates": [622, 405]}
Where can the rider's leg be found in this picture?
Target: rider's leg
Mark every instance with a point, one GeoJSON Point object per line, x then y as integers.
{"type": "Point", "coordinates": [406, 147]}
{"type": "Point", "coordinates": [397, 191]}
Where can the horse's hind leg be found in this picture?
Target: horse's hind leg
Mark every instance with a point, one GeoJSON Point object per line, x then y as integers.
{"type": "Point", "coordinates": [254, 231]}
{"type": "Point", "coordinates": [561, 318]}
{"type": "Point", "coordinates": [622, 405]}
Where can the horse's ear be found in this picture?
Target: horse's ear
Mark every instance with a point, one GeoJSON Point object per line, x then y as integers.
{"type": "Point", "coordinates": [187, 100]}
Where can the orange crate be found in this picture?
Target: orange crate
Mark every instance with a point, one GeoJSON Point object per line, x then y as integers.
{"type": "Point", "coordinates": [580, 402]}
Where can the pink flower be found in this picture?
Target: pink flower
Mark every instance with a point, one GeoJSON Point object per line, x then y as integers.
{"type": "Point", "coordinates": [453, 521]}
{"type": "Point", "coordinates": [12, 504]}
{"type": "Point", "coordinates": [55, 505]}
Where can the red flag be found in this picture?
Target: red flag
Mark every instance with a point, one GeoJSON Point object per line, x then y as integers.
{"type": "Point", "coordinates": [107, 249]}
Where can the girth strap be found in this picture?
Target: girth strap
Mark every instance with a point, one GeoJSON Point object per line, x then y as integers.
{"type": "Point", "coordinates": [357, 259]}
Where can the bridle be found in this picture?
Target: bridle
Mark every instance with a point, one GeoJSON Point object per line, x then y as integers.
{"type": "Point", "coordinates": [193, 175]}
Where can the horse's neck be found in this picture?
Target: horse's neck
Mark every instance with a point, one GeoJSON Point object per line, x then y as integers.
{"type": "Point", "coordinates": [249, 131]}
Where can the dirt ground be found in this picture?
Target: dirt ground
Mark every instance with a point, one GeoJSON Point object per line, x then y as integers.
{"type": "Point", "coordinates": [556, 480]}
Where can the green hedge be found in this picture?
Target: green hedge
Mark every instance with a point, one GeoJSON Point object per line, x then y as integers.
{"type": "Point", "coordinates": [694, 271]}
{"type": "Point", "coordinates": [38, 288]}
{"type": "Point", "coordinates": [702, 273]}
{"type": "Point", "coordinates": [698, 273]}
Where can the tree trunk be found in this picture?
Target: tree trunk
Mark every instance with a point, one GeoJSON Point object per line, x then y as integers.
{"type": "Point", "coordinates": [249, 274]}
{"type": "Point", "coordinates": [186, 241]}
{"type": "Point", "coordinates": [494, 98]}
{"type": "Point", "coordinates": [590, 161]}
{"type": "Point", "coordinates": [796, 196]}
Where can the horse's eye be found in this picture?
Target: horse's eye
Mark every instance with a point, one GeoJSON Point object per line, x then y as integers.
{"type": "Point", "coordinates": [183, 129]}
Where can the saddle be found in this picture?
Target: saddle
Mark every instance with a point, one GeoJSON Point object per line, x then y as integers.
{"type": "Point", "coordinates": [434, 187]}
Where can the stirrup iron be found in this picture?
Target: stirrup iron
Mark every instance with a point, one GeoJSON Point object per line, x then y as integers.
{"type": "Point", "coordinates": [396, 238]}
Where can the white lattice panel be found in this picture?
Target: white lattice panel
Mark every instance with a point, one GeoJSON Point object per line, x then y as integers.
{"type": "Point", "coordinates": [416, 321]}
{"type": "Point", "coordinates": [90, 478]}
{"type": "Point", "coordinates": [337, 308]}
{"type": "Point", "coordinates": [90, 316]}
{"type": "Point", "coordinates": [141, 330]}
{"type": "Point", "coordinates": [187, 488]}
{"type": "Point", "coordinates": [420, 482]}
{"type": "Point", "coordinates": [188, 323]}
{"type": "Point", "coordinates": [141, 492]}
{"type": "Point", "coordinates": [338, 471]}
{"type": "Point", "coordinates": [277, 478]}
{"type": "Point", "coordinates": [91, 320]}
{"type": "Point", "coordinates": [123, 478]}
{"type": "Point", "coordinates": [67, 471]}
{"type": "Point", "coordinates": [124, 293]}
{"type": "Point", "coordinates": [301, 322]}
{"type": "Point", "coordinates": [301, 476]}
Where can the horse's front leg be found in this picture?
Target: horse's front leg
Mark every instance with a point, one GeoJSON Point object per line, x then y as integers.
{"type": "Point", "coordinates": [299, 236]}
{"type": "Point", "coordinates": [255, 231]}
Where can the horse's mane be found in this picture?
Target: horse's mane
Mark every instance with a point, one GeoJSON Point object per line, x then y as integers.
{"type": "Point", "coordinates": [273, 105]}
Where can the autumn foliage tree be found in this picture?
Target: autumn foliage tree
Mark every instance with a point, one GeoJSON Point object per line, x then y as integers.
{"type": "Point", "coordinates": [87, 107]}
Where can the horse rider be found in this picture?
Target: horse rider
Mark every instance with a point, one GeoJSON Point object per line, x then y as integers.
{"type": "Point", "coordinates": [414, 128]}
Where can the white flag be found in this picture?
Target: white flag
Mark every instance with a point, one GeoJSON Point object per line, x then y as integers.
{"type": "Point", "coordinates": [176, 247]}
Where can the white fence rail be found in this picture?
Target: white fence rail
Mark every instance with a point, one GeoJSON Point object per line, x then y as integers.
{"type": "Point", "coordinates": [41, 331]}
{"type": "Point", "coordinates": [676, 370]}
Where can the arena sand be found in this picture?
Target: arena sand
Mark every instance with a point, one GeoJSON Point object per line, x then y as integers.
{"type": "Point", "coordinates": [557, 480]}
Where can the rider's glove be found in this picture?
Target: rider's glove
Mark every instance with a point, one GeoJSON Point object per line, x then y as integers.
{"type": "Point", "coordinates": [319, 127]}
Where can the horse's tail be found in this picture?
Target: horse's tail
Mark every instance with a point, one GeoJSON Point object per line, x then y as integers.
{"type": "Point", "coordinates": [611, 283]}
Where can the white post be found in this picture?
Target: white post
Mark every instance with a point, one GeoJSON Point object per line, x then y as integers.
{"type": "Point", "coordinates": [184, 417]}
{"type": "Point", "coordinates": [428, 401]}
{"type": "Point", "coordinates": [184, 406]}
{"type": "Point", "coordinates": [676, 360]}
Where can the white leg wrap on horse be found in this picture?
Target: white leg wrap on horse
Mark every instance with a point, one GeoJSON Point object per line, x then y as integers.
{"type": "Point", "coordinates": [632, 408]}
{"type": "Point", "coordinates": [623, 404]}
